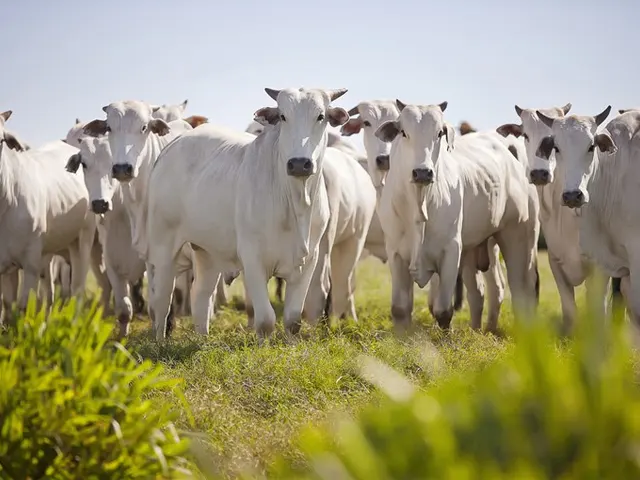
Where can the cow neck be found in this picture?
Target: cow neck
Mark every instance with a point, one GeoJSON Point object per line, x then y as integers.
{"type": "Point", "coordinates": [9, 163]}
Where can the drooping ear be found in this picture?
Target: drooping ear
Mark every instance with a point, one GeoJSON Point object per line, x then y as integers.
{"type": "Point", "coordinates": [195, 120]}
{"type": "Point", "coordinates": [602, 116]}
{"type": "Point", "coordinates": [95, 128]}
{"type": "Point", "coordinates": [6, 115]}
{"type": "Point", "coordinates": [337, 116]}
{"type": "Point", "coordinates": [605, 143]}
{"type": "Point", "coordinates": [13, 143]}
{"type": "Point", "coordinates": [548, 121]}
{"type": "Point", "coordinates": [547, 145]}
{"type": "Point", "coordinates": [450, 135]}
{"type": "Point", "coordinates": [159, 127]}
{"type": "Point", "coordinates": [267, 115]}
{"type": "Point", "coordinates": [510, 129]}
{"type": "Point", "coordinates": [388, 131]}
{"type": "Point", "coordinates": [74, 162]}
{"type": "Point", "coordinates": [352, 127]}
{"type": "Point", "coordinates": [466, 128]}
{"type": "Point", "coordinates": [183, 105]}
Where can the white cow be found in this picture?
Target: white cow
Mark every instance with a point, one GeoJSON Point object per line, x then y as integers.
{"type": "Point", "coordinates": [135, 141]}
{"type": "Point", "coordinates": [124, 266]}
{"type": "Point", "coordinates": [256, 204]}
{"type": "Point", "coordinates": [43, 210]}
{"type": "Point", "coordinates": [436, 184]}
{"type": "Point", "coordinates": [569, 266]}
{"type": "Point", "coordinates": [599, 170]}
{"type": "Point", "coordinates": [367, 117]}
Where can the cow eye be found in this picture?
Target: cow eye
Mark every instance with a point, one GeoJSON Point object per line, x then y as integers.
{"type": "Point", "coordinates": [592, 148]}
{"type": "Point", "coordinates": [283, 118]}
{"type": "Point", "coordinates": [84, 165]}
{"type": "Point", "coordinates": [366, 123]}
{"type": "Point", "coordinates": [320, 117]}
{"type": "Point", "coordinates": [403, 134]}
{"type": "Point", "coordinates": [143, 129]}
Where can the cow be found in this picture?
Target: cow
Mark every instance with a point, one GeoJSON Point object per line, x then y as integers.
{"type": "Point", "coordinates": [266, 206]}
{"type": "Point", "coordinates": [43, 210]}
{"type": "Point", "coordinates": [367, 116]}
{"type": "Point", "coordinates": [438, 185]}
{"type": "Point", "coordinates": [135, 140]}
{"type": "Point", "coordinates": [597, 170]}
{"type": "Point", "coordinates": [569, 266]}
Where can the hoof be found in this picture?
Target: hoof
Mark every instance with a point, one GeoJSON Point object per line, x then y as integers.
{"type": "Point", "coordinates": [444, 319]}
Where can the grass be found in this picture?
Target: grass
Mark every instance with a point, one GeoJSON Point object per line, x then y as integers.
{"type": "Point", "coordinates": [252, 401]}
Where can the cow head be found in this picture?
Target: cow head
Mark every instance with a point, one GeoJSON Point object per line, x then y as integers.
{"type": "Point", "coordinates": [8, 139]}
{"type": "Point", "coordinates": [302, 116]}
{"type": "Point", "coordinates": [95, 159]}
{"type": "Point", "coordinates": [575, 138]}
{"type": "Point", "coordinates": [169, 113]}
{"type": "Point", "coordinates": [128, 127]}
{"type": "Point", "coordinates": [255, 128]}
{"type": "Point", "coordinates": [418, 135]}
{"type": "Point", "coordinates": [367, 117]}
{"type": "Point", "coordinates": [540, 171]}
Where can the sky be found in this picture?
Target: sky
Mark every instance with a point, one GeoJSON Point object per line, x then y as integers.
{"type": "Point", "coordinates": [62, 60]}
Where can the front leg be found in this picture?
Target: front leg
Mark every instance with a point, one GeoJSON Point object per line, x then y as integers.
{"type": "Point", "coordinates": [257, 293]}
{"type": "Point", "coordinates": [296, 293]}
{"type": "Point", "coordinates": [567, 295]}
{"type": "Point", "coordinates": [401, 290]}
{"type": "Point", "coordinates": [448, 272]}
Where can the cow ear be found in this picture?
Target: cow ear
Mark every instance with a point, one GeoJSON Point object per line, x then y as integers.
{"type": "Point", "coordinates": [159, 127]}
{"type": "Point", "coordinates": [183, 105]}
{"type": "Point", "coordinates": [509, 129]}
{"type": "Point", "coordinates": [337, 116]}
{"type": "Point", "coordinates": [352, 127]}
{"type": "Point", "coordinates": [267, 116]}
{"type": "Point", "coordinates": [388, 131]}
{"type": "Point", "coordinates": [13, 143]}
{"type": "Point", "coordinates": [73, 163]}
{"type": "Point", "coordinates": [196, 120]}
{"type": "Point", "coordinates": [547, 145]}
{"type": "Point", "coordinates": [450, 135]}
{"type": "Point", "coordinates": [605, 143]}
{"type": "Point", "coordinates": [96, 128]}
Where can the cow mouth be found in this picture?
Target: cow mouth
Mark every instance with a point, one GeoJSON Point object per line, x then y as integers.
{"type": "Point", "coordinates": [123, 177]}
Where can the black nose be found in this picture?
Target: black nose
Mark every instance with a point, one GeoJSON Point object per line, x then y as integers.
{"type": "Point", "coordinates": [122, 170]}
{"type": "Point", "coordinates": [299, 167]}
{"type": "Point", "coordinates": [540, 177]}
{"type": "Point", "coordinates": [573, 199]}
{"type": "Point", "coordinates": [99, 206]}
{"type": "Point", "coordinates": [382, 162]}
{"type": "Point", "coordinates": [423, 176]}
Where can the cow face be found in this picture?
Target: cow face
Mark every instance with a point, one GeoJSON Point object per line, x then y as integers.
{"type": "Point", "coordinates": [577, 142]}
{"type": "Point", "coordinates": [540, 171]}
{"type": "Point", "coordinates": [169, 113]}
{"type": "Point", "coordinates": [128, 126]}
{"type": "Point", "coordinates": [419, 133]}
{"type": "Point", "coordinates": [8, 139]}
{"type": "Point", "coordinates": [370, 115]}
{"type": "Point", "coordinates": [95, 159]}
{"type": "Point", "coordinates": [302, 116]}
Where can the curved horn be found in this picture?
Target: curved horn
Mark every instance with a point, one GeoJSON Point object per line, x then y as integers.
{"type": "Point", "coordinates": [77, 120]}
{"type": "Point", "coordinates": [6, 115]}
{"type": "Point", "coordinates": [400, 105]}
{"type": "Point", "coordinates": [335, 94]}
{"type": "Point", "coordinates": [104, 109]}
{"type": "Point", "coordinates": [518, 110]}
{"type": "Point", "coordinates": [566, 108]}
{"type": "Point", "coordinates": [443, 105]}
{"type": "Point", "coordinates": [353, 111]}
{"type": "Point", "coordinates": [602, 116]}
{"type": "Point", "coordinates": [272, 93]}
{"type": "Point", "coordinates": [546, 120]}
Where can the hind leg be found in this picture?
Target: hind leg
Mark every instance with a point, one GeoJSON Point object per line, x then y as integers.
{"type": "Point", "coordinates": [472, 279]}
{"type": "Point", "coordinates": [344, 259]}
{"type": "Point", "coordinates": [495, 285]}
{"type": "Point", "coordinates": [163, 273]}
{"type": "Point", "coordinates": [318, 291]}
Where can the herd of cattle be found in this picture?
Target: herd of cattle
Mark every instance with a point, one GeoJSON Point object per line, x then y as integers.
{"type": "Point", "coordinates": [192, 205]}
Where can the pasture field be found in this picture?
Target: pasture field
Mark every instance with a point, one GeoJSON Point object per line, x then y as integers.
{"type": "Point", "coordinates": [251, 402]}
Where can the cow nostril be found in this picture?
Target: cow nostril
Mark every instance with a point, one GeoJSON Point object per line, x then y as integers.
{"type": "Point", "coordinates": [414, 174]}
{"type": "Point", "coordinates": [289, 166]}
{"type": "Point", "coordinates": [308, 165]}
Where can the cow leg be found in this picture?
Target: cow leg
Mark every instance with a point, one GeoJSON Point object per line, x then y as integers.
{"type": "Point", "coordinates": [625, 289]}
{"type": "Point", "coordinates": [47, 282]}
{"type": "Point", "coordinates": [567, 294]}
{"type": "Point", "coordinates": [161, 292]}
{"type": "Point", "coordinates": [248, 304]}
{"type": "Point", "coordinates": [448, 273]}
{"type": "Point", "coordinates": [596, 290]}
{"type": "Point", "coordinates": [137, 298]}
{"type": "Point", "coordinates": [221, 295]}
{"type": "Point", "coordinates": [255, 281]}
{"type": "Point", "coordinates": [458, 296]}
{"type": "Point", "coordinates": [64, 275]}
{"type": "Point", "coordinates": [80, 256]}
{"type": "Point", "coordinates": [344, 258]}
{"type": "Point", "coordinates": [101, 276]}
{"type": "Point", "coordinates": [297, 289]}
{"type": "Point", "coordinates": [401, 290]}
{"type": "Point", "coordinates": [434, 288]}
{"type": "Point", "coordinates": [318, 289]}
{"type": "Point", "coordinates": [206, 279]}
{"type": "Point", "coordinates": [9, 282]}
{"type": "Point", "coordinates": [495, 285]}
{"type": "Point", "coordinates": [472, 279]}
{"type": "Point", "coordinates": [30, 277]}
{"type": "Point", "coordinates": [123, 306]}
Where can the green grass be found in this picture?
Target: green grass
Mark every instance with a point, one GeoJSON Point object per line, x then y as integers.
{"type": "Point", "coordinates": [251, 402]}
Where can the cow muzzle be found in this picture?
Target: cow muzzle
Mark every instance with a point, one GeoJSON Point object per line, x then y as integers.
{"type": "Point", "coordinates": [382, 162]}
{"type": "Point", "coordinates": [122, 172]}
{"type": "Point", "coordinates": [422, 176]}
{"type": "Point", "coordinates": [300, 167]}
{"type": "Point", "coordinates": [573, 199]}
{"type": "Point", "coordinates": [540, 177]}
{"type": "Point", "coordinates": [100, 206]}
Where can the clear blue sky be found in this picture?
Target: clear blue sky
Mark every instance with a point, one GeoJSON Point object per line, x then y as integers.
{"type": "Point", "coordinates": [62, 60]}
